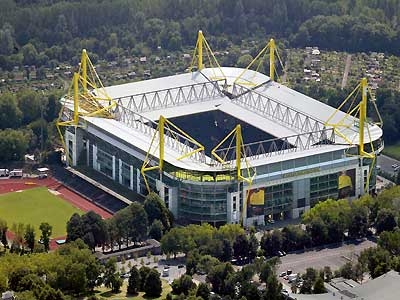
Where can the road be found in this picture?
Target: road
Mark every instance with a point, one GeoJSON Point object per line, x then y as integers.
{"type": "Point", "coordinates": [346, 71]}
{"type": "Point", "coordinates": [386, 162]}
{"type": "Point", "coordinates": [318, 259]}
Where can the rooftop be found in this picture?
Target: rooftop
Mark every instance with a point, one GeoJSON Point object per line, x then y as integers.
{"type": "Point", "coordinates": [248, 96]}
{"type": "Point", "coordinates": [383, 288]}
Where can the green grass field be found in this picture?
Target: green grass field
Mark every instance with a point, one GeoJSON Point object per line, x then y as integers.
{"type": "Point", "coordinates": [392, 151]}
{"type": "Point", "coordinates": [34, 206]}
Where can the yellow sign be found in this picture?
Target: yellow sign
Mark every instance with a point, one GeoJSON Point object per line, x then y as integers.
{"type": "Point", "coordinates": [345, 181]}
{"type": "Point", "coordinates": [257, 197]}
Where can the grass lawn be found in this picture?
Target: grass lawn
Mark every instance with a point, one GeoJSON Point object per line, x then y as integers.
{"type": "Point", "coordinates": [392, 151]}
{"type": "Point", "coordinates": [34, 206]}
{"type": "Point", "coordinates": [104, 293]}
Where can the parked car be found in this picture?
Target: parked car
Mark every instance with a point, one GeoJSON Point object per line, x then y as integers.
{"type": "Point", "coordinates": [283, 274]}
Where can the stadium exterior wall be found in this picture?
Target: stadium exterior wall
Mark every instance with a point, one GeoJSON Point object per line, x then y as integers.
{"type": "Point", "coordinates": [280, 190]}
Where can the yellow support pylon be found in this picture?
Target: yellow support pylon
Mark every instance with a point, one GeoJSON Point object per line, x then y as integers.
{"type": "Point", "coordinates": [164, 125]}
{"type": "Point", "coordinates": [203, 49]}
{"type": "Point", "coordinates": [91, 103]}
{"type": "Point", "coordinates": [240, 154]}
{"type": "Point", "coordinates": [360, 111]}
{"type": "Point", "coordinates": [273, 50]}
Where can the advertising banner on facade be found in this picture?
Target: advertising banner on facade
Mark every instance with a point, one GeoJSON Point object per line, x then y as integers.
{"type": "Point", "coordinates": [346, 182]}
{"type": "Point", "coordinates": [255, 202]}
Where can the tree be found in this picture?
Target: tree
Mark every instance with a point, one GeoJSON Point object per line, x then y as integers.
{"type": "Point", "coordinates": [74, 228]}
{"type": "Point", "coordinates": [18, 239]}
{"type": "Point", "coordinates": [376, 260]}
{"type": "Point", "coordinates": [30, 104]}
{"type": "Point", "coordinates": [153, 286]}
{"type": "Point", "coordinates": [244, 60]}
{"type": "Point", "coordinates": [203, 291]}
{"type": "Point", "coordinates": [359, 225]}
{"type": "Point", "coordinates": [111, 276]}
{"type": "Point", "coordinates": [390, 241]}
{"type": "Point", "coordinates": [241, 246]}
{"type": "Point", "coordinates": [318, 231]}
{"type": "Point", "coordinates": [94, 230]}
{"type": "Point", "coordinates": [184, 284]}
{"type": "Point", "coordinates": [143, 271]}
{"type": "Point", "coordinates": [266, 244]}
{"type": "Point", "coordinates": [226, 254]}
{"type": "Point", "coordinates": [155, 230]}
{"type": "Point", "coordinates": [3, 233]}
{"type": "Point", "coordinates": [253, 246]}
{"type": "Point", "coordinates": [45, 229]}
{"type": "Point", "coordinates": [274, 288]}
{"type": "Point", "coordinates": [76, 278]}
{"type": "Point", "coordinates": [171, 242]}
{"type": "Point", "coordinates": [385, 220]}
{"type": "Point", "coordinates": [30, 237]}
{"type": "Point", "coordinates": [138, 222]}
{"type": "Point", "coordinates": [152, 206]}
{"type": "Point", "coordinates": [319, 287]}
{"type": "Point", "coordinates": [14, 144]}
{"type": "Point", "coordinates": [10, 114]}
{"type": "Point", "coordinates": [218, 275]}
{"type": "Point", "coordinates": [134, 281]}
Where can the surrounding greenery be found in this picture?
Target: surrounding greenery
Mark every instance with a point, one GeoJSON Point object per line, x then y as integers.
{"type": "Point", "coordinates": [129, 225]}
{"type": "Point", "coordinates": [34, 206]}
{"type": "Point", "coordinates": [55, 29]}
{"type": "Point", "coordinates": [72, 269]}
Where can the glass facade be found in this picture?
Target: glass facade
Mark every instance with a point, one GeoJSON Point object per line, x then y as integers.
{"type": "Point", "coordinates": [203, 196]}
{"type": "Point", "coordinates": [203, 202]}
{"type": "Point", "coordinates": [104, 163]}
{"type": "Point", "coordinates": [323, 187]}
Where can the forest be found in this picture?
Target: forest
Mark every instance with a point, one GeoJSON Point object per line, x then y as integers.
{"type": "Point", "coordinates": [38, 31]}
{"type": "Point", "coordinates": [47, 33]}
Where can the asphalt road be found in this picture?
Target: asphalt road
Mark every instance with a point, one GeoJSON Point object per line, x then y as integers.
{"type": "Point", "coordinates": [386, 162]}
{"type": "Point", "coordinates": [318, 259]}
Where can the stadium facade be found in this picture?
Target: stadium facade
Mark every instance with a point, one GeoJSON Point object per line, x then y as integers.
{"type": "Point", "coordinates": [284, 151]}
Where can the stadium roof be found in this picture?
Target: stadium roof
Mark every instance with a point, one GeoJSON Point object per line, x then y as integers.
{"type": "Point", "coordinates": [253, 98]}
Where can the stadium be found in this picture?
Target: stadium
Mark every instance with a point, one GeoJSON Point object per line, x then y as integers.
{"type": "Point", "coordinates": [221, 144]}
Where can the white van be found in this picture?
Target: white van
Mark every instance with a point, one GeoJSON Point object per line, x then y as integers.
{"type": "Point", "coordinates": [4, 172]}
{"type": "Point", "coordinates": [16, 173]}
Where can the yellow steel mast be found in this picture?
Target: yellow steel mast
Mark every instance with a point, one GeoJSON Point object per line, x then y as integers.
{"type": "Point", "coordinates": [359, 111]}
{"type": "Point", "coordinates": [240, 154]}
{"type": "Point", "coordinates": [82, 102]}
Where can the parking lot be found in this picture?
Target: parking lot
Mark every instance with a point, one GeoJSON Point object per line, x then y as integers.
{"type": "Point", "coordinates": [175, 267]}
{"type": "Point", "coordinates": [387, 164]}
{"type": "Point", "coordinates": [333, 257]}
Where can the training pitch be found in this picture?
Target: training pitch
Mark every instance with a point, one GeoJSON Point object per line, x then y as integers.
{"type": "Point", "coordinates": [34, 206]}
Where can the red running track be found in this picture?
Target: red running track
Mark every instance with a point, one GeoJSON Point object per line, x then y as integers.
{"type": "Point", "coordinates": [13, 185]}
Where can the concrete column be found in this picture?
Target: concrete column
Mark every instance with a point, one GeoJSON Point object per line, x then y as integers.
{"type": "Point", "coordinates": [137, 181]}
{"type": "Point", "coordinates": [95, 157]}
{"type": "Point", "coordinates": [173, 201]}
{"type": "Point", "coordinates": [113, 167]}
{"type": "Point", "coordinates": [87, 152]}
{"type": "Point", "coordinates": [120, 171]}
{"type": "Point", "coordinates": [131, 177]}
